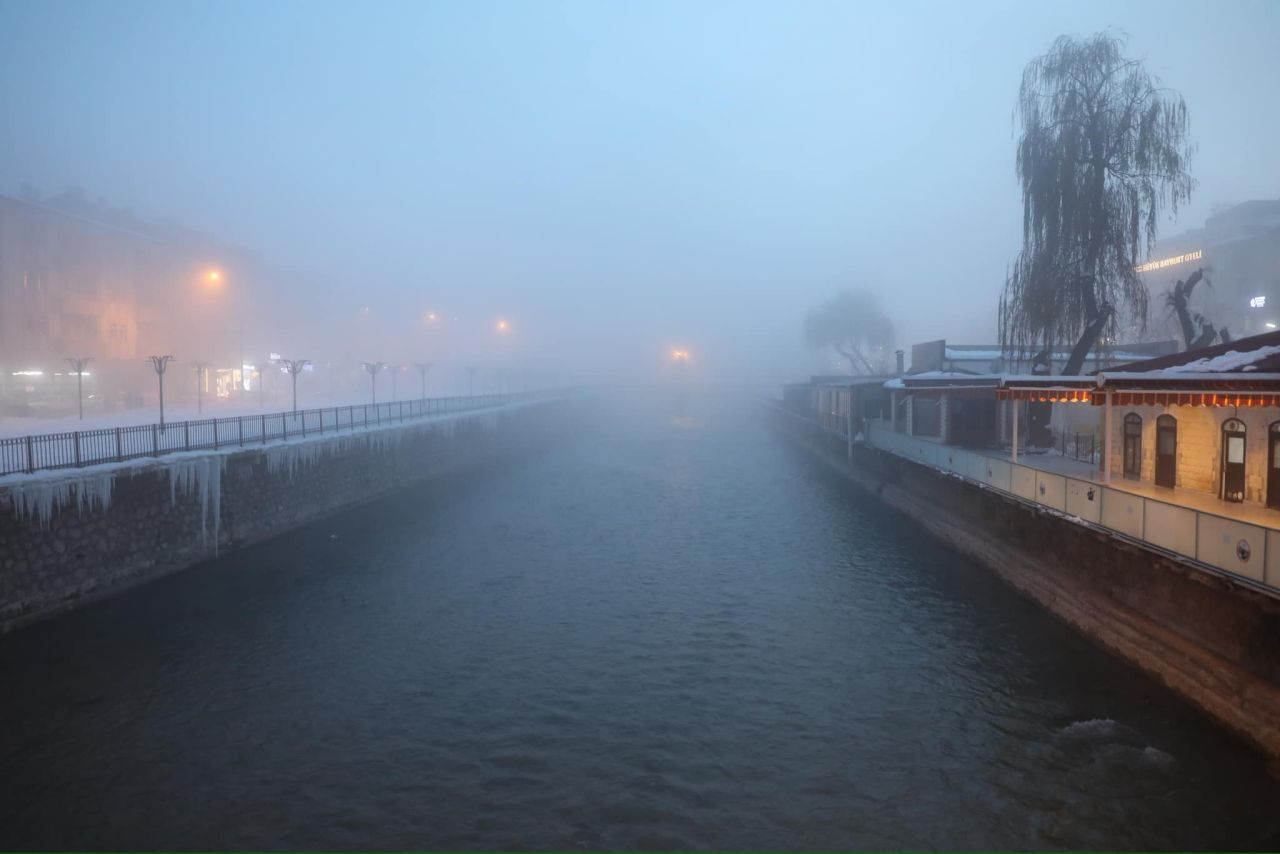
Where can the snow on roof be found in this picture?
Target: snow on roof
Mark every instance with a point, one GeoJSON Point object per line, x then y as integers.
{"type": "Point", "coordinates": [1232, 360]}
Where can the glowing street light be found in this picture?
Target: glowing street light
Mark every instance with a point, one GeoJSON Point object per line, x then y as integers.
{"type": "Point", "coordinates": [503, 326]}
{"type": "Point", "coordinates": [680, 356]}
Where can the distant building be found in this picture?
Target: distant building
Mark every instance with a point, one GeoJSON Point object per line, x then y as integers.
{"type": "Point", "coordinates": [78, 279]}
{"type": "Point", "coordinates": [1239, 251]}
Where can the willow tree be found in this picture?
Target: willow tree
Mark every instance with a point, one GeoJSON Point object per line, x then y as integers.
{"type": "Point", "coordinates": [855, 326]}
{"type": "Point", "coordinates": [1104, 149]}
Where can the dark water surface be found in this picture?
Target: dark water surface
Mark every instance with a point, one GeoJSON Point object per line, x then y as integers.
{"type": "Point", "coordinates": [671, 632]}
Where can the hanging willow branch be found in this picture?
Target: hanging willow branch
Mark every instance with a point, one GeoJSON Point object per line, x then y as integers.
{"type": "Point", "coordinates": [1103, 151]}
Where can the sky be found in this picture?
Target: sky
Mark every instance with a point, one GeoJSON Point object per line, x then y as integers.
{"type": "Point", "coordinates": [615, 178]}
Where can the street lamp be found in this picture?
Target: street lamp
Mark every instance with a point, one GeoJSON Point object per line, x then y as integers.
{"type": "Point", "coordinates": [423, 367]}
{"type": "Point", "coordinates": [295, 367]}
{"type": "Point", "coordinates": [373, 368]}
{"type": "Point", "coordinates": [160, 364]}
{"type": "Point", "coordinates": [77, 367]}
{"type": "Point", "coordinates": [201, 367]}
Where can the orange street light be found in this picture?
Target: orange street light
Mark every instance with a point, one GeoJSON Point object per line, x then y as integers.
{"type": "Point", "coordinates": [503, 326]}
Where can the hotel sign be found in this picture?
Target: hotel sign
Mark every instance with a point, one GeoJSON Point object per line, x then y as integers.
{"type": "Point", "coordinates": [1169, 262]}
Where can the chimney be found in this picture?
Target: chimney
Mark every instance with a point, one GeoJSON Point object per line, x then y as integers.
{"type": "Point", "coordinates": [899, 355]}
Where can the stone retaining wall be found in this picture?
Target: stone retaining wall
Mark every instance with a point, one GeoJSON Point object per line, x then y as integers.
{"type": "Point", "coordinates": [67, 537]}
{"type": "Point", "coordinates": [1214, 642]}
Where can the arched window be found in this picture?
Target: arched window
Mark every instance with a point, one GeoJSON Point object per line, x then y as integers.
{"type": "Point", "coordinates": [1133, 445]}
{"type": "Point", "coordinates": [1166, 451]}
{"type": "Point", "coordinates": [1233, 435]}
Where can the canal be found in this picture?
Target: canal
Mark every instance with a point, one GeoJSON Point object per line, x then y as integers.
{"type": "Point", "coordinates": [669, 631]}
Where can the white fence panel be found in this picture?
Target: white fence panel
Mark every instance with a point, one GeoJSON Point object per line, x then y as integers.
{"type": "Point", "coordinates": [1170, 527]}
{"type": "Point", "coordinates": [1234, 546]}
{"type": "Point", "coordinates": [1122, 511]}
{"type": "Point", "coordinates": [1051, 490]}
{"type": "Point", "coordinates": [1084, 499]}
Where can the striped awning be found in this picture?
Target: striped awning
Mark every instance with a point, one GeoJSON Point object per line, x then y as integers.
{"type": "Point", "coordinates": [1189, 398]}
{"type": "Point", "coordinates": [1047, 394]}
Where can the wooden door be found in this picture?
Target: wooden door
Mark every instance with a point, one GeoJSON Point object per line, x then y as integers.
{"type": "Point", "coordinates": [1233, 452]}
{"type": "Point", "coordinates": [1166, 451]}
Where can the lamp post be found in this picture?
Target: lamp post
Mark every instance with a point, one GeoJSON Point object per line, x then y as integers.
{"type": "Point", "coordinates": [373, 368]}
{"type": "Point", "coordinates": [423, 367]}
{"type": "Point", "coordinates": [201, 367]}
{"type": "Point", "coordinates": [471, 381]}
{"type": "Point", "coordinates": [294, 367]}
{"type": "Point", "coordinates": [160, 364]}
{"type": "Point", "coordinates": [77, 367]}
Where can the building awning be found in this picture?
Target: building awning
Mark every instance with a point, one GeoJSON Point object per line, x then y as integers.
{"type": "Point", "coordinates": [1047, 394]}
{"type": "Point", "coordinates": [1189, 398]}
{"type": "Point", "coordinates": [1156, 388]}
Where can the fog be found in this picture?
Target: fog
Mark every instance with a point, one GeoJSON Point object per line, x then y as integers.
{"type": "Point", "coordinates": [614, 180]}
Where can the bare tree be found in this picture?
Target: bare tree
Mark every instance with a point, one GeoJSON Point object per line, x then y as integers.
{"type": "Point", "coordinates": [160, 364]}
{"type": "Point", "coordinates": [1104, 149]}
{"type": "Point", "coordinates": [1196, 329]}
{"type": "Point", "coordinates": [295, 367]}
{"type": "Point", "coordinates": [855, 326]}
{"type": "Point", "coordinates": [373, 368]}
{"type": "Point", "coordinates": [78, 364]}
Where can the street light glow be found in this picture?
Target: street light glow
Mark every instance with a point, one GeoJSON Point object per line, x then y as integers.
{"type": "Point", "coordinates": [503, 326]}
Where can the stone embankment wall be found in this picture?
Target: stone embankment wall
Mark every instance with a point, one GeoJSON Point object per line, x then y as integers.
{"type": "Point", "coordinates": [1214, 642]}
{"type": "Point", "coordinates": [69, 536]}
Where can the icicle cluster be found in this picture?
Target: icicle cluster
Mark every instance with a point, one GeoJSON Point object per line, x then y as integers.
{"type": "Point", "coordinates": [290, 456]}
{"type": "Point", "coordinates": [37, 499]}
{"type": "Point", "coordinates": [202, 475]}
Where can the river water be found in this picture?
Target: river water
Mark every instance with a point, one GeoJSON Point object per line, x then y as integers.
{"type": "Point", "coordinates": [669, 631]}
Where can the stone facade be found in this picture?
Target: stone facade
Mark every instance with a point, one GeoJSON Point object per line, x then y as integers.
{"type": "Point", "coordinates": [1199, 450]}
{"type": "Point", "coordinates": [170, 513]}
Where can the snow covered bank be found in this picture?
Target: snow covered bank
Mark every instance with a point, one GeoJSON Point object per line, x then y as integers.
{"type": "Point", "coordinates": [37, 496]}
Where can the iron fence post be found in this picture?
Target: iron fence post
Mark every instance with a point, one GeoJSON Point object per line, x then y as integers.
{"type": "Point", "coordinates": [155, 441]}
{"type": "Point", "coordinates": [77, 441]}
{"type": "Point", "coordinates": [264, 429]}
{"type": "Point", "coordinates": [119, 447]}
{"type": "Point", "coordinates": [186, 435]}
{"type": "Point", "coordinates": [31, 455]}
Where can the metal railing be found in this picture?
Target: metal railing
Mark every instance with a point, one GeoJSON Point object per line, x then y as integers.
{"type": "Point", "coordinates": [80, 448]}
{"type": "Point", "coordinates": [1078, 446]}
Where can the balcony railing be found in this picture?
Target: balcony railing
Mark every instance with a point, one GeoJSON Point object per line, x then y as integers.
{"type": "Point", "coordinates": [80, 448]}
